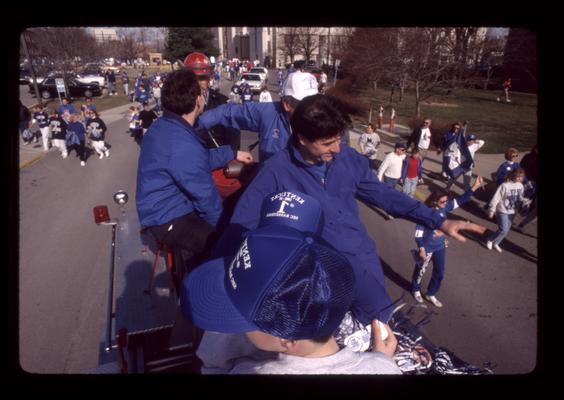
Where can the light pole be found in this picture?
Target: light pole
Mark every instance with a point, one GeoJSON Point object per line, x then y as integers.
{"type": "Point", "coordinates": [33, 76]}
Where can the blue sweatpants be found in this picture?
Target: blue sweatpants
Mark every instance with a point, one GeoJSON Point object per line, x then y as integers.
{"type": "Point", "coordinates": [438, 258]}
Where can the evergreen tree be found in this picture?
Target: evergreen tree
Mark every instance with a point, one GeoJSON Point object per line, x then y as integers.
{"type": "Point", "coordinates": [182, 41]}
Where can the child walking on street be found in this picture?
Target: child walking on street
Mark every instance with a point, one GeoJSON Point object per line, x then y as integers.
{"type": "Point", "coordinates": [76, 137]}
{"type": "Point", "coordinates": [431, 244]}
{"type": "Point", "coordinates": [135, 124]}
{"type": "Point", "coordinates": [507, 200]}
{"type": "Point", "coordinates": [96, 129]}
{"type": "Point", "coordinates": [58, 128]}
{"type": "Point", "coordinates": [369, 142]}
{"type": "Point", "coordinates": [42, 118]}
{"type": "Point", "coordinates": [411, 172]}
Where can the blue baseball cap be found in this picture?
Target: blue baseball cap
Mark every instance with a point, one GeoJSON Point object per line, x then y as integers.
{"type": "Point", "coordinates": [471, 137]}
{"type": "Point", "coordinates": [400, 145]}
{"type": "Point", "coordinates": [282, 281]}
{"type": "Point", "coordinates": [294, 209]}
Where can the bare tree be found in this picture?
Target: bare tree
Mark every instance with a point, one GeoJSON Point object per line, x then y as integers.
{"type": "Point", "coordinates": [130, 47]}
{"type": "Point", "coordinates": [62, 46]}
{"type": "Point", "coordinates": [424, 58]}
{"type": "Point", "coordinates": [290, 43]}
{"type": "Point", "coordinates": [308, 41]}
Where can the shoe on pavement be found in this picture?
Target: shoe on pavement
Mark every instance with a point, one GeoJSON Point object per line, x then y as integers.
{"type": "Point", "coordinates": [496, 246]}
{"type": "Point", "coordinates": [434, 300]}
{"type": "Point", "coordinates": [107, 153]}
{"type": "Point", "coordinates": [489, 245]}
{"type": "Point", "coordinates": [101, 155]}
{"type": "Point", "coordinates": [417, 296]}
{"type": "Point", "coordinates": [82, 163]}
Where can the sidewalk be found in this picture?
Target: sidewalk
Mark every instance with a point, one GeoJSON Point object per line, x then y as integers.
{"type": "Point", "coordinates": [33, 152]}
{"type": "Point", "coordinates": [485, 164]}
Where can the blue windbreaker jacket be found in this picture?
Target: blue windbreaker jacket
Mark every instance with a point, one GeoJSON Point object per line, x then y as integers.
{"type": "Point", "coordinates": [268, 119]}
{"type": "Point", "coordinates": [174, 173]}
{"type": "Point", "coordinates": [348, 177]}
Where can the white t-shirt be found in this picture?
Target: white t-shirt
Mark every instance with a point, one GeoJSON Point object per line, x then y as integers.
{"type": "Point", "coordinates": [425, 139]}
{"type": "Point", "coordinates": [265, 97]}
{"type": "Point", "coordinates": [391, 166]}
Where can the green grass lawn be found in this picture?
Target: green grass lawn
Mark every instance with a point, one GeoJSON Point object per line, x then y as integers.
{"type": "Point", "coordinates": [500, 124]}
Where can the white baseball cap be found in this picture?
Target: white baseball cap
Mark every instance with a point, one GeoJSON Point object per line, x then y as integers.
{"type": "Point", "coordinates": [300, 85]}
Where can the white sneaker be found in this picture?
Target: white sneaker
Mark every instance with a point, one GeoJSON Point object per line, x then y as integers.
{"type": "Point", "coordinates": [101, 155]}
{"type": "Point", "coordinates": [417, 296]}
{"type": "Point", "coordinates": [82, 163]}
{"type": "Point", "coordinates": [489, 245]}
{"type": "Point", "coordinates": [107, 153]}
{"type": "Point", "coordinates": [434, 300]}
{"type": "Point", "coordinates": [496, 246]}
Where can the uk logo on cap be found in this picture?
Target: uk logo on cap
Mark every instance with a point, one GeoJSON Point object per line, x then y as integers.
{"type": "Point", "coordinates": [292, 208]}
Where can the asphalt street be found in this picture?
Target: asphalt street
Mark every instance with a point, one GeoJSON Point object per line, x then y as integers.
{"type": "Point", "coordinates": [490, 299]}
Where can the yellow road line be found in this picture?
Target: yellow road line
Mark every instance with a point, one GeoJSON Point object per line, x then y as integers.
{"type": "Point", "coordinates": [32, 161]}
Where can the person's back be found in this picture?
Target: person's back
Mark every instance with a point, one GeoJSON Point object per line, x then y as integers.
{"type": "Point", "coordinates": [147, 117]}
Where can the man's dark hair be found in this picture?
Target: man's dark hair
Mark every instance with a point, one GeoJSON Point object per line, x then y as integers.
{"type": "Point", "coordinates": [319, 117]}
{"type": "Point", "coordinates": [180, 91]}
{"type": "Point", "coordinates": [292, 102]}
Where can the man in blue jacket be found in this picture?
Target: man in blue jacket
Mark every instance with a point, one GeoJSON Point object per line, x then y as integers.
{"type": "Point", "coordinates": [177, 200]}
{"type": "Point", "coordinates": [270, 120]}
{"type": "Point", "coordinates": [317, 164]}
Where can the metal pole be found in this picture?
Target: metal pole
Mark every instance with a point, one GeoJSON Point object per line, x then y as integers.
{"type": "Point", "coordinates": [328, 43]}
{"type": "Point", "coordinates": [110, 312]}
{"type": "Point", "coordinates": [33, 76]}
{"type": "Point", "coordinates": [336, 71]}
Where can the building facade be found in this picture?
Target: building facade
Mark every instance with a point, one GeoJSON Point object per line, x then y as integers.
{"type": "Point", "coordinates": [278, 46]}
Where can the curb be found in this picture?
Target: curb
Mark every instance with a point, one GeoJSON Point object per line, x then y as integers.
{"type": "Point", "coordinates": [32, 161]}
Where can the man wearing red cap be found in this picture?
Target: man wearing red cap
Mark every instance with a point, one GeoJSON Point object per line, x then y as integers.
{"type": "Point", "coordinates": [217, 135]}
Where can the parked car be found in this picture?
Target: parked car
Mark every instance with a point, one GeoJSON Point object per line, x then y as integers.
{"type": "Point", "coordinates": [263, 72]}
{"type": "Point", "coordinates": [255, 81]}
{"type": "Point", "coordinates": [25, 76]}
{"type": "Point", "coordinates": [91, 75]}
{"type": "Point", "coordinates": [48, 88]}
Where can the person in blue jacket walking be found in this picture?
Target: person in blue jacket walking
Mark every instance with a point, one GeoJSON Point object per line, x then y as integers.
{"type": "Point", "coordinates": [431, 244]}
{"type": "Point", "coordinates": [270, 120]}
{"type": "Point", "coordinates": [317, 164]}
{"type": "Point", "coordinates": [177, 200]}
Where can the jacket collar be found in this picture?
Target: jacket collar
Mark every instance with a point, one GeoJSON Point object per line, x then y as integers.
{"type": "Point", "coordinates": [175, 117]}
{"type": "Point", "coordinates": [297, 156]}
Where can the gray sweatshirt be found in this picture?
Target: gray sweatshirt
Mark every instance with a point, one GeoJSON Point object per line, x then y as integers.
{"type": "Point", "coordinates": [223, 353]}
{"type": "Point", "coordinates": [344, 361]}
{"type": "Point", "coordinates": [508, 198]}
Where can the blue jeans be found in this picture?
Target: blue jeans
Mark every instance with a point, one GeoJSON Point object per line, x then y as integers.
{"type": "Point", "coordinates": [390, 181]}
{"type": "Point", "coordinates": [504, 222]}
{"type": "Point", "coordinates": [409, 185]}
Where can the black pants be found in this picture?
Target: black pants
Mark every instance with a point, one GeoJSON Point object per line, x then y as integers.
{"type": "Point", "coordinates": [191, 239]}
